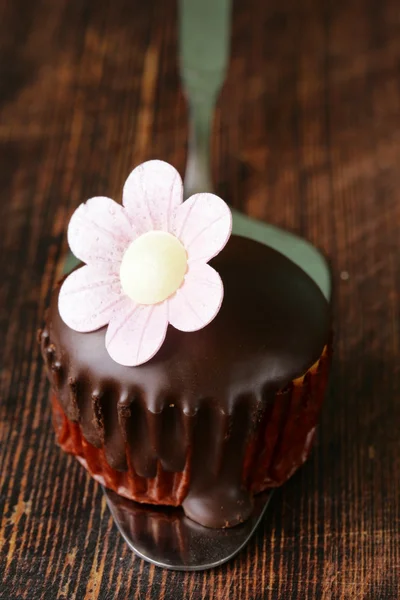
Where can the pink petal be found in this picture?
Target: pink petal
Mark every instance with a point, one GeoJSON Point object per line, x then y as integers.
{"type": "Point", "coordinates": [203, 224]}
{"type": "Point", "coordinates": [151, 194]}
{"type": "Point", "coordinates": [99, 232]}
{"type": "Point", "coordinates": [198, 300]}
{"type": "Point", "coordinates": [88, 298]}
{"type": "Point", "coordinates": [136, 332]}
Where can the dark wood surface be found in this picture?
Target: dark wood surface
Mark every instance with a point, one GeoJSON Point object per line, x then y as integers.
{"type": "Point", "coordinates": [307, 136]}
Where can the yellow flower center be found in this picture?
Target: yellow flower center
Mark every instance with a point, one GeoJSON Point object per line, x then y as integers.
{"type": "Point", "coordinates": [153, 267]}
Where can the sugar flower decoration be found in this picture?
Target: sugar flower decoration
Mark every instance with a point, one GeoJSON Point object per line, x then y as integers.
{"type": "Point", "coordinates": [146, 263]}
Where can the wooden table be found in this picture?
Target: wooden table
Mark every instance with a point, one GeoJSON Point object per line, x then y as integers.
{"type": "Point", "coordinates": [307, 136]}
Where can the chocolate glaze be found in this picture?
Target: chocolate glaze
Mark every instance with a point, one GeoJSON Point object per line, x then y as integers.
{"type": "Point", "coordinates": [200, 399]}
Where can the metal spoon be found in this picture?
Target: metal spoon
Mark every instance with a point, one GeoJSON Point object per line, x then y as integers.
{"type": "Point", "coordinates": [165, 536]}
{"type": "Point", "coordinates": [162, 536]}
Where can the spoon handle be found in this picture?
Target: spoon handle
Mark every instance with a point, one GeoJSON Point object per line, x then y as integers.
{"type": "Point", "coordinates": [204, 31]}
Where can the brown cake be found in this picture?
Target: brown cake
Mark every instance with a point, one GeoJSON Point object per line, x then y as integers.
{"type": "Point", "coordinates": [216, 415]}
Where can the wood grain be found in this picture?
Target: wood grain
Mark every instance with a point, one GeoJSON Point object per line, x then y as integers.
{"type": "Point", "coordinates": [307, 137]}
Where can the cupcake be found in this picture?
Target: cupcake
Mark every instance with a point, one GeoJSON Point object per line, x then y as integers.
{"type": "Point", "coordinates": [188, 365]}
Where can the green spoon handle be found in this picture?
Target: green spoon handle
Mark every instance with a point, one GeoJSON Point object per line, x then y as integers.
{"type": "Point", "coordinates": [204, 27]}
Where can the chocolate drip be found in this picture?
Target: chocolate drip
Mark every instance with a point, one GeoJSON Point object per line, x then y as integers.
{"type": "Point", "coordinates": [73, 400]}
{"type": "Point", "coordinates": [105, 406]}
{"type": "Point", "coordinates": [172, 456]}
{"type": "Point", "coordinates": [218, 496]}
{"type": "Point", "coordinates": [206, 404]}
{"type": "Point", "coordinates": [141, 451]}
{"type": "Point", "coordinates": [92, 427]}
